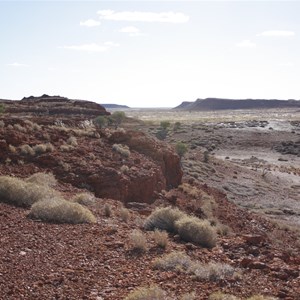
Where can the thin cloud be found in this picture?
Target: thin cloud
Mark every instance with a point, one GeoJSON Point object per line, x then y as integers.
{"type": "Point", "coordinates": [111, 44]}
{"type": "Point", "coordinates": [286, 64]}
{"type": "Point", "coordinates": [277, 33]}
{"type": "Point", "coordinates": [140, 16]}
{"type": "Point", "coordinates": [90, 23]}
{"type": "Point", "coordinates": [131, 31]}
{"type": "Point", "coordinates": [93, 47]}
{"type": "Point", "coordinates": [17, 65]}
{"type": "Point", "coordinates": [246, 44]}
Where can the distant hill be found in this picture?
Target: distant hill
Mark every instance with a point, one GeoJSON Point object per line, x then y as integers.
{"type": "Point", "coordinates": [108, 106]}
{"type": "Point", "coordinates": [222, 104]}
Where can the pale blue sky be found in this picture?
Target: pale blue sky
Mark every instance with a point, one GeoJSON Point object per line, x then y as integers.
{"type": "Point", "coordinates": [150, 53]}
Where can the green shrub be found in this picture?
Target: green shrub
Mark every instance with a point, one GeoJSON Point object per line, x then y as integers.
{"type": "Point", "coordinates": [101, 121]}
{"type": "Point", "coordinates": [163, 219]}
{"type": "Point", "coordinates": [147, 293]}
{"type": "Point", "coordinates": [58, 210]}
{"type": "Point", "coordinates": [21, 193]}
{"type": "Point", "coordinates": [192, 229]}
{"type": "Point", "coordinates": [181, 149]}
{"type": "Point", "coordinates": [85, 199]}
{"type": "Point", "coordinates": [118, 117]}
{"type": "Point", "coordinates": [2, 108]}
{"type": "Point", "coordinates": [165, 124]}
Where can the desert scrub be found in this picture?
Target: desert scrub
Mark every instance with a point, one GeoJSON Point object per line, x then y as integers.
{"type": "Point", "coordinates": [72, 141]}
{"type": "Point", "coordinates": [192, 229]}
{"type": "Point", "coordinates": [18, 192]}
{"type": "Point", "coordinates": [27, 150]}
{"type": "Point", "coordinates": [66, 148]}
{"type": "Point", "coordinates": [160, 238]}
{"type": "Point", "coordinates": [147, 293]}
{"type": "Point", "coordinates": [124, 169]}
{"type": "Point", "coordinates": [44, 179]}
{"type": "Point", "coordinates": [85, 199]}
{"type": "Point", "coordinates": [188, 296]}
{"type": "Point", "coordinates": [121, 149]}
{"type": "Point", "coordinates": [107, 210]}
{"type": "Point", "coordinates": [180, 262]}
{"type": "Point", "coordinates": [58, 210]}
{"type": "Point", "coordinates": [2, 124]}
{"type": "Point", "coordinates": [124, 214]}
{"type": "Point", "coordinates": [212, 271]}
{"type": "Point", "coordinates": [137, 240]}
{"type": "Point", "coordinates": [163, 219]}
{"type": "Point", "coordinates": [222, 296]}
{"type": "Point", "coordinates": [174, 261]}
{"type": "Point", "coordinates": [19, 128]}
{"type": "Point", "coordinates": [12, 149]}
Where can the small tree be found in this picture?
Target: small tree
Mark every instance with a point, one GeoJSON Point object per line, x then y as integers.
{"type": "Point", "coordinates": [181, 149]}
{"type": "Point", "coordinates": [101, 121]}
{"type": "Point", "coordinates": [164, 124]}
{"type": "Point", "coordinates": [177, 125]}
{"type": "Point", "coordinates": [2, 108]}
{"type": "Point", "coordinates": [118, 117]}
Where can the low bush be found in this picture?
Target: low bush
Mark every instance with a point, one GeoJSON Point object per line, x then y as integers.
{"type": "Point", "coordinates": [147, 293]}
{"type": "Point", "coordinates": [20, 128]}
{"type": "Point", "coordinates": [173, 261]}
{"type": "Point", "coordinates": [58, 210]}
{"type": "Point", "coordinates": [161, 238]}
{"type": "Point", "coordinates": [40, 178]}
{"type": "Point", "coordinates": [163, 219]}
{"type": "Point", "coordinates": [137, 240]}
{"type": "Point", "coordinates": [39, 149]}
{"type": "Point", "coordinates": [18, 192]}
{"type": "Point", "coordinates": [222, 296]}
{"type": "Point", "coordinates": [107, 210]}
{"type": "Point", "coordinates": [121, 149]}
{"type": "Point", "coordinates": [124, 214]}
{"type": "Point", "coordinates": [72, 141]}
{"type": "Point", "coordinates": [27, 150]}
{"type": "Point", "coordinates": [212, 271]}
{"type": "Point", "coordinates": [192, 229]}
{"type": "Point", "coordinates": [85, 199]}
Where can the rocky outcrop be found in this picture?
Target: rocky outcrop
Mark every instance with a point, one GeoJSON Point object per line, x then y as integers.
{"type": "Point", "coordinates": [154, 149]}
{"type": "Point", "coordinates": [91, 163]}
{"type": "Point", "coordinates": [53, 105]}
{"type": "Point", "coordinates": [209, 104]}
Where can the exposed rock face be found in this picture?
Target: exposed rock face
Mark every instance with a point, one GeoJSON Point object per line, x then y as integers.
{"type": "Point", "coordinates": [156, 150]}
{"type": "Point", "coordinates": [219, 104]}
{"type": "Point", "coordinates": [53, 105]}
{"type": "Point", "coordinates": [151, 166]}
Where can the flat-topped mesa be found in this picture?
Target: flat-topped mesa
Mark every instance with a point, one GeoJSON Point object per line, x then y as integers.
{"type": "Point", "coordinates": [209, 104]}
{"type": "Point", "coordinates": [54, 105]}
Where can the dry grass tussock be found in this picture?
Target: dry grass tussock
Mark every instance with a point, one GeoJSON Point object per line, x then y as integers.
{"type": "Point", "coordinates": [147, 293]}
{"type": "Point", "coordinates": [121, 149]}
{"type": "Point", "coordinates": [180, 262]}
{"type": "Point", "coordinates": [163, 219]}
{"type": "Point", "coordinates": [18, 192]}
{"type": "Point", "coordinates": [44, 179]}
{"type": "Point", "coordinates": [223, 296]}
{"type": "Point", "coordinates": [59, 210]}
{"type": "Point", "coordinates": [160, 238]}
{"type": "Point", "coordinates": [137, 240]}
{"type": "Point", "coordinates": [85, 199]}
{"type": "Point", "coordinates": [192, 229]}
{"type": "Point", "coordinates": [124, 214]}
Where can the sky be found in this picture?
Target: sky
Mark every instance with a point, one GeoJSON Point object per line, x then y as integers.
{"type": "Point", "coordinates": [150, 53]}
